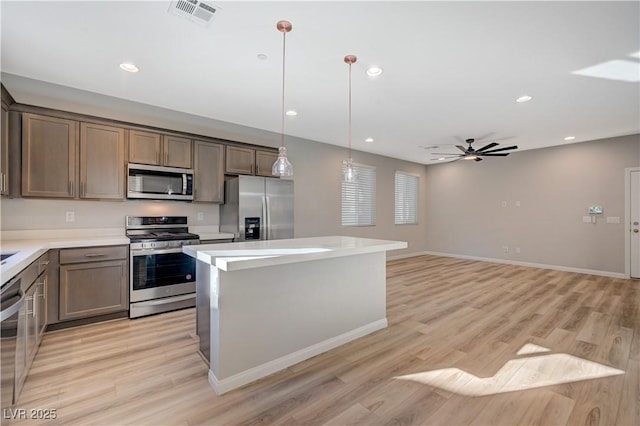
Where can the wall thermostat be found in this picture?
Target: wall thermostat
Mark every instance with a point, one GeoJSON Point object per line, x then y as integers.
{"type": "Point", "coordinates": [596, 210]}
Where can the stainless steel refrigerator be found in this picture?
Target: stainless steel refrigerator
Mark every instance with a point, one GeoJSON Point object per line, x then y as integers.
{"type": "Point", "coordinates": [257, 208]}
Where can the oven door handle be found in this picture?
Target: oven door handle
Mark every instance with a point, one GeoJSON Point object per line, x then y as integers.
{"type": "Point", "coordinates": [146, 252]}
{"type": "Point", "coordinates": [15, 307]}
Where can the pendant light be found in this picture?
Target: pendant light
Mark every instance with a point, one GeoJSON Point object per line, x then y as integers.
{"type": "Point", "coordinates": [349, 174]}
{"type": "Point", "coordinates": [282, 166]}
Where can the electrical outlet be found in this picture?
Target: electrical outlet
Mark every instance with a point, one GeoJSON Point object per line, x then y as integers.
{"type": "Point", "coordinates": [517, 203]}
{"type": "Point", "coordinates": [505, 249]}
{"type": "Point", "coordinates": [517, 250]}
{"type": "Point", "coordinates": [504, 204]}
{"type": "Point", "coordinates": [70, 216]}
{"type": "Point", "coordinates": [200, 216]}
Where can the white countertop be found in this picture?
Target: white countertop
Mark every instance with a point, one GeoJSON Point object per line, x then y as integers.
{"type": "Point", "coordinates": [256, 254]}
{"type": "Point", "coordinates": [209, 232]}
{"type": "Point", "coordinates": [29, 245]}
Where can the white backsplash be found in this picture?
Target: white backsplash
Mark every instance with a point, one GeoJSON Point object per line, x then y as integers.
{"type": "Point", "coordinates": [25, 214]}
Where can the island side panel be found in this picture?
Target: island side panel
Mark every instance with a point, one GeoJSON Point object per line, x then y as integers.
{"type": "Point", "coordinates": [265, 314]}
{"type": "Point", "coordinates": [203, 312]}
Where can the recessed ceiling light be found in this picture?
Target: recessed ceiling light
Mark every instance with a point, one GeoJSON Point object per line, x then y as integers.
{"type": "Point", "coordinates": [129, 67]}
{"type": "Point", "coordinates": [374, 71]}
{"type": "Point", "coordinates": [291, 113]}
{"type": "Point", "coordinates": [525, 98]}
{"type": "Point", "coordinates": [262, 56]}
{"type": "Point", "coordinates": [369, 140]}
{"type": "Point", "coordinates": [569, 138]}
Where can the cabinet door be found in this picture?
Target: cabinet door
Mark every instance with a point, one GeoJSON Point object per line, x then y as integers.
{"type": "Point", "coordinates": [264, 162]}
{"type": "Point", "coordinates": [4, 154]}
{"type": "Point", "coordinates": [239, 160]}
{"type": "Point", "coordinates": [49, 156]}
{"type": "Point", "coordinates": [177, 152]}
{"type": "Point", "coordinates": [144, 147]}
{"type": "Point", "coordinates": [102, 162]}
{"type": "Point", "coordinates": [89, 289]}
{"type": "Point", "coordinates": [208, 172]}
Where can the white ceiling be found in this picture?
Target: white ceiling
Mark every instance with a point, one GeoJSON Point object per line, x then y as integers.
{"type": "Point", "coordinates": [452, 70]}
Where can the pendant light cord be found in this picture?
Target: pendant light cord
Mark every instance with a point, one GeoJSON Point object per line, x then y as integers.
{"type": "Point", "coordinates": [284, 38]}
{"type": "Point", "coordinates": [350, 111]}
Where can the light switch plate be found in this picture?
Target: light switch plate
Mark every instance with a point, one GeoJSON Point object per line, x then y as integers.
{"type": "Point", "coordinates": [586, 219]}
{"type": "Point", "coordinates": [70, 216]}
{"type": "Point", "coordinates": [613, 219]}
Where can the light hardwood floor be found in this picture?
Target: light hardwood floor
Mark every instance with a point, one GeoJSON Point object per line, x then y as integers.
{"type": "Point", "coordinates": [443, 313]}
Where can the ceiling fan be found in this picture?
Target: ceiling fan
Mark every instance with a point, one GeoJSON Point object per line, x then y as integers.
{"type": "Point", "coordinates": [475, 154]}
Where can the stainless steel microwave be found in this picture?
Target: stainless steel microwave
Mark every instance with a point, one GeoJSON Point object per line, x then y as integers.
{"type": "Point", "coordinates": [159, 183]}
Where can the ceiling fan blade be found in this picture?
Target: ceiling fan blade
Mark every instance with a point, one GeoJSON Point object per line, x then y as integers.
{"type": "Point", "coordinates": [506, 148]}
{"type": "Point", "coordinates": [500, 154]}
{"type": "Point", "coordinates": [449, 154]}
{"type": "Point", "coordinates": [484, 148]}
{"type": "Point", "coordinates": [462, 148]}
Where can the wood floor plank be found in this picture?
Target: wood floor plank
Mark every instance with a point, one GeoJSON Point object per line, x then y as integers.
{"type": "Point", "coordinates": [447, 358]}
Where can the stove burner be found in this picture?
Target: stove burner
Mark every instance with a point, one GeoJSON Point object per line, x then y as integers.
{"type": "Point", "coordinates": [150, 229]}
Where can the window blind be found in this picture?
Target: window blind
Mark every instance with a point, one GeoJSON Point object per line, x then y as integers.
{"type": "Point", "coordinates": [359, 197]}
{"type": "Point", "coordinates": [406, 210]}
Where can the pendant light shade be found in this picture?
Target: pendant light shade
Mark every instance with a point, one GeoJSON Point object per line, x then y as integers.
{"type": "Point", "coordinates": [282, 166]}
{"type": "Point", "coordinates": [349, 173]}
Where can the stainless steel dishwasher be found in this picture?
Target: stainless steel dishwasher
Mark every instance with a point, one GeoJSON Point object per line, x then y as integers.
{"type": "Point", "coordinates": [11, 300]}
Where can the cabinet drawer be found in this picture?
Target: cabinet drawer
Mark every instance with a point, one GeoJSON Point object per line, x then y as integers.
{"type": "Point", "coordinates": [93, 254]}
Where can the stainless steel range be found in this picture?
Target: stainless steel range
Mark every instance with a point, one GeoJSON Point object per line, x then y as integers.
{"type": "Point", "coordinates": [162, 278]}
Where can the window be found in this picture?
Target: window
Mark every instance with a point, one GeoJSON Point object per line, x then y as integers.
{"type": "Point", "coordinates": [359, 198]}
{"type": "Point", "coordinates": [406, 198]}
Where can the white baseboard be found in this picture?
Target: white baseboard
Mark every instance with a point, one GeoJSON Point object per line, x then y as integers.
{"type": "Point", "coordinates": [260, 371]}
{"type": "Point", "coordinates": [518, 263]}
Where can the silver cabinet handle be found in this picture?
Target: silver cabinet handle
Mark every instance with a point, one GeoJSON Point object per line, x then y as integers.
{"type": "Point", "coordinates": [29, 299]}
{"type": "Point", "coordinates": [94, 255]}
{"type": "Point", "coordinates": [41, 294]}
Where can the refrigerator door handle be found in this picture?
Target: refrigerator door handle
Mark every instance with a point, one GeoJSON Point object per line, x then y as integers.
{"type": "Point", "coordinates": [264, 232]}
{"type": "Point", "coordinates": [268, 218]}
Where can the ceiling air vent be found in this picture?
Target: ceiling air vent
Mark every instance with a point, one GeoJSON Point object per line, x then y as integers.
{"type": "Point", "coordinates": [197, 11]}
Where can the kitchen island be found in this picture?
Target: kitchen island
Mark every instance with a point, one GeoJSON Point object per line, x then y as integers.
{"type": "Point", "coordinates": [265, 305]}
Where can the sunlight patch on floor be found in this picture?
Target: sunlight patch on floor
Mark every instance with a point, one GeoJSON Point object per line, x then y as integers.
{"type": "Point", "coordinates": [531, 348]}
{"type": "Point", "coordinates": [517, 374]}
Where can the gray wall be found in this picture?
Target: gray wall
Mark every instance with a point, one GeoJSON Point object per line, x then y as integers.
{"type": "Point", "coordinates": [555, 186]}
{"type": "Point", "coordinates": [22, 213]}
{"type": "Point", "coordinates": [317, 175]}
